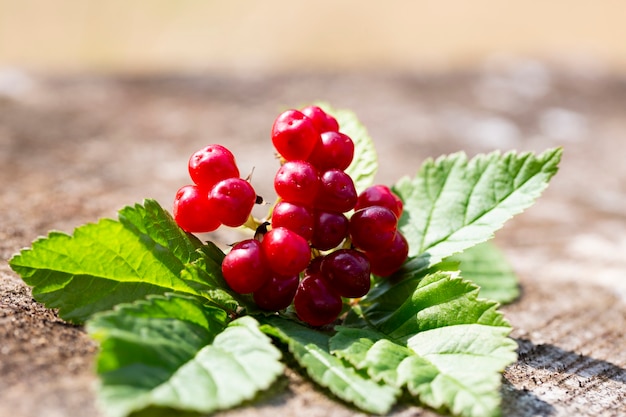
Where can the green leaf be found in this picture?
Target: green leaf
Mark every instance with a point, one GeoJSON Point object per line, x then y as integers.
{"type": "Point", "coordinates": [207, 279]}
{"type": "Point", "coordinates": [453, 204]}
{"type": "Point", "coordinates": [446, 346]}
{"type": "Point", "coordinates": [440, 298]}
{"type": "Point", "coordinates": [150, 219]}
{"type": "Point", "coordinates": [469, 359]}
{"type": "Point", "coordinates": [486, 266]}
{"type": "Point", "coordinates": [310, 349]}
{"type": "Point", "coordinates": [388, 294]}
{"type": "Point", "coordinates": [109, 262]}
{"type": "Point", "coordinates": [370, 350]}
{"type": "Point", "coordinates": [173, 352]}
{"type": "Point", "coordinates": [365, 163]}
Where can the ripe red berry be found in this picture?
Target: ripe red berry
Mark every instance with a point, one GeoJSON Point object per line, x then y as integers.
{"type": "Point", "coordinates": [287, 252]}
{"type": "Point", "coordinates": [277, 293]}
{"type": "Point", "coordinates": [294, 136]}
{"type": "Point", "coordinates": [315, 266]}
{"type": "Point", "coordinates": [334, 150]}
{"type": "Point", "coordinates": [373, 228]}
{"type": "Point", "coordinates": [348, 272]}
{"type": "Point", "coordinates": [322, 121]}
{"type": "Point", "coordinates": [244, 267]}
{"type": "Point", "coordinates": [234, 199]}
{"type": "Point", "coordinates": [329, 229]}
{"type": "Point", "coordinates": [212, 164]}
{"type": "Point", "coordinates": [297, 182]}
{"type": "Point", "coordinates": [316, 303]}
{"type": "Point", "coordinates": [337, 192]}
{"type": "Point", "coordinates": [380, 195]}
{"type": "Point", "coordinates": [387, 261]}
{"type": "Point", "coordinates": [293, 217]}
{"type": "Point", "coordinates": [193, 211]}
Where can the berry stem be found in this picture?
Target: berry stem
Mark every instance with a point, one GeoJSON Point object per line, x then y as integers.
{"type": "Point", "coordinates": [252, 223]}
{"type": "Point", "coordinates": [271, 210]}
{"type": "Point", "coordinates": [347, 243]}
{"type": "Point", "coordinates": [356, 308]}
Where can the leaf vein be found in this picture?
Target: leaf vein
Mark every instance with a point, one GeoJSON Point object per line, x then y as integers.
{"type": "Point", "coordinates": [488, 211]}
{"type": "Point", "coordinates": [432, 208]}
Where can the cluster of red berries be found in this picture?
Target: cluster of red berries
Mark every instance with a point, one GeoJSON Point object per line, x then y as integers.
{"type": "Point", "coordinates": [313, 255]}
{"type": "Point", "coordinates": [217, 197]}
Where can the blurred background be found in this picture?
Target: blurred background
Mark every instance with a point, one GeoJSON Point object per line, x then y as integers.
{"type": "Point", "coordinates": [139, 36]}
{"type": "Point", "coordinates": [102, 103]}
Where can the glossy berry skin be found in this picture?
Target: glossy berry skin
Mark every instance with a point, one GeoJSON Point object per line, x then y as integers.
{"type": "Point", "coordinates": [212, 164]}
{"type": "Point", "coordinates": [244, 268]}
{"type": "Point", "coordinates": [294, 135]}
{"type": "Point", "coordinates": [380, 195]}
{"type": "Point", "coordinates": [337, 192]}
{"type": "Point", "coordinates": [233, 199]}
{"type": "Point", "coordinates": [373, 228]}
{"type": "Point", "coordinates": [387, 261]}
{"type": "Point", "coordinates": [293, 217]}
{"type": "Point", "coordinates": [335, 150]}
{"type": "Point", "coordinates": [193, 211]}
{"type": "Point", "coordinates": [322, 121]}
{"type": "Point", "coordinates": [287, 252]}
{"type": "Point", "coordinates": [329, 229]}
{"type": "Point", "coordinates": [315, 266]}
{"type": "Point", "coordinates": [277, 293]}
{"type": "Point", "coordinates": [297, 182]}
{"type": "Point", "coordinates": [316, 303]}
{"type": "Point", "coordinates": [348, 272]}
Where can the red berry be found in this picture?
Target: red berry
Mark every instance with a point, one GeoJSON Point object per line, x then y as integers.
{"type": "Point", "coordinates": [297, 182]}
{"type": "Point", "coordinates": [329, 229]}
{"type": "Point", "coordinates": [348, 271]}
{"type": "Point", "coordinates": [322, 121]}
{"type": "Point", "coordinates": [373, 228]}
{"type": "Point", "coordinates": [337, 192]}
{"type": "Point", "coordinates": [380, 195]}
{"type": "Point", "coordinates": [316, 303]}
{"type": "Point", "coordinates": [277, 293]}
{"type": "Point", "coordinates": [244, 267]}
{"type": "Point", "coordinates": [294, 136]}
{"type": "Point", "coordinates": [335, 150]}
{"type": "Point", "coordinates": [234, 199]}
{"type": "Point", "coordinates": [293, 217]}
{"type": "Point", "coordinates": [315, 266]}
{"type": "Point", "coordinates": [212, 164]}
{"type": "Point", "coordinates": [193, 211]}
{"type": "Point", "coordinates": [287, 252]}
{"type": "Point", "coordinates": [387, 261]}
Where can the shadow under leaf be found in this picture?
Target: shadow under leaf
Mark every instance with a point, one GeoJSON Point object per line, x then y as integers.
{"type": "Point", "coordinates": [564, 377]}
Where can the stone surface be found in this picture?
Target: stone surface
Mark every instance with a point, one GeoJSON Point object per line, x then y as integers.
{"type": "Point", "coordinates": [73, 150]}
